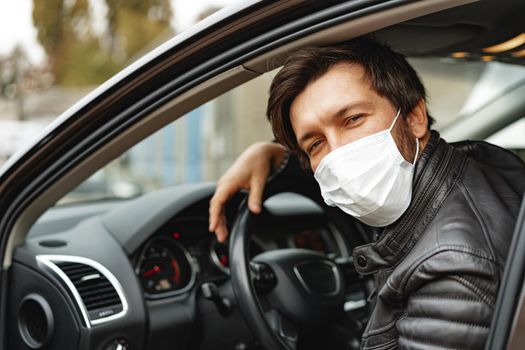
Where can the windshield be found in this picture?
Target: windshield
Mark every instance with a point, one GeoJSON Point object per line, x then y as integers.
{"type": "Point", "coordinates": [201, 145]}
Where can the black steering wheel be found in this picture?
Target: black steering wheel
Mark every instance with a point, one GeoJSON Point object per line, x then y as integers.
{"type": "Point", "coordinates": [281, 291]}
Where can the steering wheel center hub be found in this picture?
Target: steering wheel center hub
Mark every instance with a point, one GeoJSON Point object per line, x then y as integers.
{"type": "Point", "coordinates": [309, 286]}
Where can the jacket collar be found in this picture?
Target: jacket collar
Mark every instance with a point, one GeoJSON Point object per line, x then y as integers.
{"type": "Point", "coordinates": [435, 173]}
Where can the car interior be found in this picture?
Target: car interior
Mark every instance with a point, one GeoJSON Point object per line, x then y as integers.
{"type": "Point", "coordinates": [133, 265]}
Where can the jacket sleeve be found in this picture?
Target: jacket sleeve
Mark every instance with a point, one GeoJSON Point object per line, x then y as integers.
{"type": "Point", "coordinates": [450, 301]}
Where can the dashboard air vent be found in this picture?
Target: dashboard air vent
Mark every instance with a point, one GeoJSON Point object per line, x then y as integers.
{"type": "Point", "coordinates": [96, 291]}
{"type": "Point", "coordinates": [98, 294]}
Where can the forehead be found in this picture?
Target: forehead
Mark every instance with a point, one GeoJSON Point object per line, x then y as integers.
{"type": "Point", "coordinates": [344, 84]}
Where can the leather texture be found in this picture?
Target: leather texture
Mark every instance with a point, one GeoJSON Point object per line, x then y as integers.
{"type": "Point", "coordinates": [438, 267]}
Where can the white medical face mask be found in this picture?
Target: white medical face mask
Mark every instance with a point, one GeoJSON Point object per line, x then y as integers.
{"type": "Point", "coordinates": [368, 178]}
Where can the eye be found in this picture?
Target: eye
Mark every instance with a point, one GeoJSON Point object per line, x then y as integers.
{"type": "Point", "coordinates": [353, 119]}
{"type": "Point", "coordinates": [314, 146]}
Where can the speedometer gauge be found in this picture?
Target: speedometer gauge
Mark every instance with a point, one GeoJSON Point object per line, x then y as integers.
{"type": "Point", "coordinates": [219, 253]}
{"type": "Point", "coordinates": [219, 256]}
{"type": "Point", "coordinates": [164, 268]}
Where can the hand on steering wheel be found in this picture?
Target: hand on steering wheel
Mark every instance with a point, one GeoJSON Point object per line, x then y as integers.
{"type": "Point", "coordinates": [250, 172]}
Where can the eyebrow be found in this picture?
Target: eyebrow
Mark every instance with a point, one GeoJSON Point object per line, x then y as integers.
{"type": "Point", "coordinates": [343, 110]}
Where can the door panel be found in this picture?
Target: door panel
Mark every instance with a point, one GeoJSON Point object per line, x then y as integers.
{"type": "Point", "coordinates": [508, 324]}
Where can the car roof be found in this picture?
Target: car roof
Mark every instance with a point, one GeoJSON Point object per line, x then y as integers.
{"type": "Point", "coordinates": [471, 29]}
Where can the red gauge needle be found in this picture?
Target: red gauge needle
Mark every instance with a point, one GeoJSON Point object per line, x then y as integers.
{"type": "Point", "coordinates": [152, 271]}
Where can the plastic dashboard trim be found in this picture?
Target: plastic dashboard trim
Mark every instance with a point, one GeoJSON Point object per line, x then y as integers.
{"type": "Point", "coordinates": [49, 262]}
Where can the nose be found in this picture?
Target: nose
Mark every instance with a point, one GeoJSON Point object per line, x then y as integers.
{"type": "Point", "coordinates": [335, 140]}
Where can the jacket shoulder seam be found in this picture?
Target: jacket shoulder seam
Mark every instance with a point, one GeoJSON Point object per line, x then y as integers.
{"type": "Point", "coordinates": [463, 188]}
{"type": "Point", "coordinates": [452, 321]}
{"type": "Point", "coordinates": [437, 251]}
{"type": "Point", "coordinates": [484, 295]}
{"type": "Point", "coordinates": [420, 295]}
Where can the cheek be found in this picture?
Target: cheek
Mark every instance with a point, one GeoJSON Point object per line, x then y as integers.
{"type": "Point", "coordinates": [314, 162]}
{"type": "Point", "coordinates": [317, 158]}
{"type": "Point", "coordinates": [313, 166]}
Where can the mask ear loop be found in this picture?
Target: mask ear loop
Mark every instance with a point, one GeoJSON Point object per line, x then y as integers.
{"type": "Point", "coordinates": [417, 152]}
{"type": "Point", "coordinates": [395, 119]}
{"type": "Point", "coordinates": [417, 140]}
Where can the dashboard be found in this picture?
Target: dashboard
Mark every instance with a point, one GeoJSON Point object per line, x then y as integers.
{"type": "Point", "coordinates": [135, 273]}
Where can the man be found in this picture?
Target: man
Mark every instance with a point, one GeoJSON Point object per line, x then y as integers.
{"type": "Point", "coordinates": [444, 214]}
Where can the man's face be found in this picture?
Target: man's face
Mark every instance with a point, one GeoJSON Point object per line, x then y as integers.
{"type": "Point", "coordinates": [341, 107]}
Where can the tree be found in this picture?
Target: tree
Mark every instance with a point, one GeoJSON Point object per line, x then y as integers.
{"type": "Point", "coordinates": [79, 55]}
{"type": "Point", "coordinates": [18, 78]}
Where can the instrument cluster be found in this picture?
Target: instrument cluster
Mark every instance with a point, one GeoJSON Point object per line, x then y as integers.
{"type": "Point", "coordinates": [184, 253]}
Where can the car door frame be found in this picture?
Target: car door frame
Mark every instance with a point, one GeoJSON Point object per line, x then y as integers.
{"type": "Point", "coordinates": [508, 322]}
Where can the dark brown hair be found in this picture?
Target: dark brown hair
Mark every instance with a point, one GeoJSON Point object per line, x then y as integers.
{"type": "Point", "coordinates": [390, 74]}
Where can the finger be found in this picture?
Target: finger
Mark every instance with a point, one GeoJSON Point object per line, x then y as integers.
{"type": "Point", "coordinates": [215, 222]}
{"type": "Point", "coordinates": [256, 192]}
{"type": "Point", "coordinates": [216, 209]}
{"type": "Point", "coordinates": [222, 230]}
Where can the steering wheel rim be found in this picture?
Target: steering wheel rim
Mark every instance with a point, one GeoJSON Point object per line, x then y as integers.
{"type": "Point", "coordinates": [281, 336]}
{"type": "Point", "coordinates": [241, 280]}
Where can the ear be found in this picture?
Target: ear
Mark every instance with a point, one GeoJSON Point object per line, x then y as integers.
{"type": "Point", "coordinates": [417, 120]}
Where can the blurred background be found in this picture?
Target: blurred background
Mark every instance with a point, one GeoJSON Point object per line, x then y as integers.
{"type": "Point", "coordinates": [53, 52]}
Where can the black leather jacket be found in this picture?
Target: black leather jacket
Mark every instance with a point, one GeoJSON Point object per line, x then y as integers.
{"type": "Point", "coordinates": [438, 268]}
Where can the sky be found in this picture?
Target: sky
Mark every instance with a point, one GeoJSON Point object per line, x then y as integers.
{"type": "Point", "coordinates": [16, 25]}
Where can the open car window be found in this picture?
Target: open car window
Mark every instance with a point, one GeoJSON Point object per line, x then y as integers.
{"type": "Point", "coordinates": [201, 145]}
{"type": "Point", "coordinates": [197, 147]}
